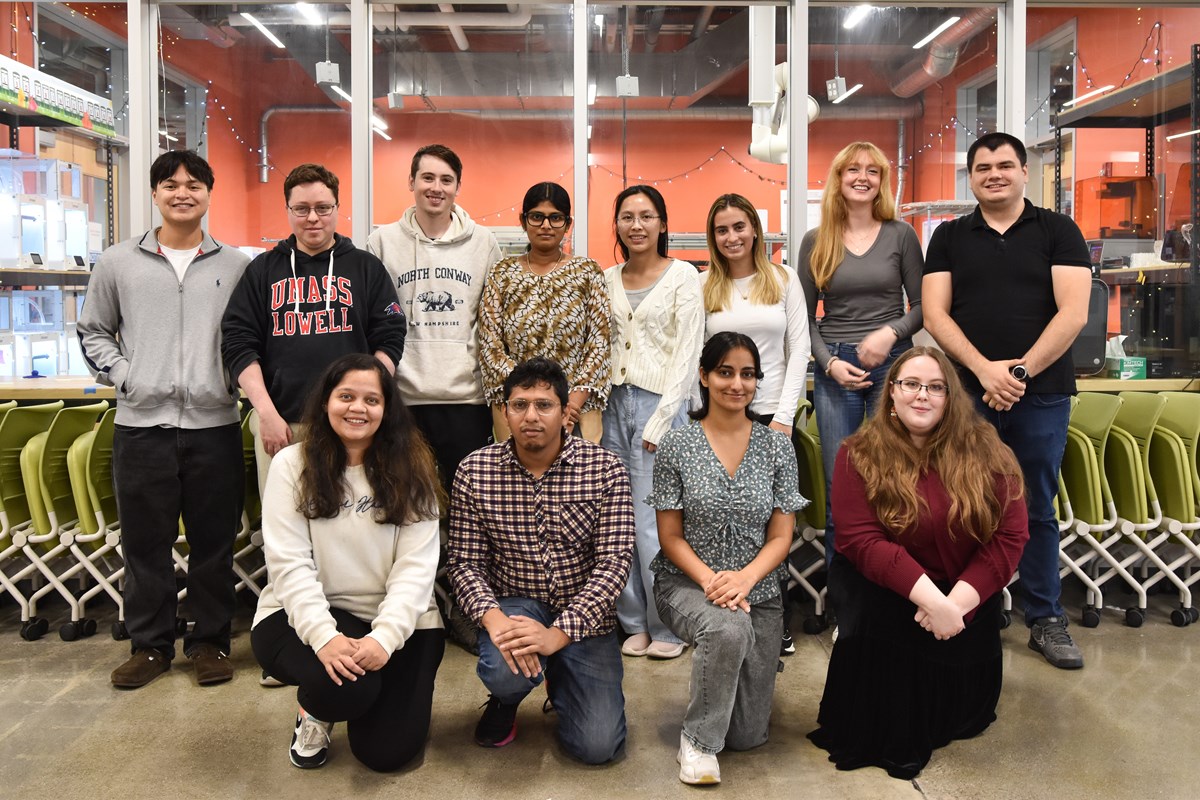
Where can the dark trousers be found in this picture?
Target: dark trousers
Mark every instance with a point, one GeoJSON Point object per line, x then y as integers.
{"type": "Point", "coordinates": [454, 431]}
{"type": "Point", "coordinates": [387, 711]}
{"type": "Point", "coordinates": [161, 475]}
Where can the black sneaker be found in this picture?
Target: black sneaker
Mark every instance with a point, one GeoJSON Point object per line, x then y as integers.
{"type": "Point", "coordinates": [498, 725]}
{"type": "Point", "coordinates": [787, 647]}
{"type": "Point", "coordinates": [310, 742]}
{"type": "Point", "coordinates": [1049, 637]}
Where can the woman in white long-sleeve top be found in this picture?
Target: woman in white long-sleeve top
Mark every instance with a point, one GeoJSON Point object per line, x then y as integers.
{"type": "Point", "coordinates": [350, 532]}
{"type": "Point", "coordinates": [657, 327]}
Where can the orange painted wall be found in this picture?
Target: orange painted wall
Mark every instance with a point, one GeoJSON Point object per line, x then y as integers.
{"type": "Point", "coordinates": [16, 39]}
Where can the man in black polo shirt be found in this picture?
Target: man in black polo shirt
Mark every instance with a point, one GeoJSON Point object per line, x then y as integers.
{"type": "Point", "coordinates": [1005, 293]}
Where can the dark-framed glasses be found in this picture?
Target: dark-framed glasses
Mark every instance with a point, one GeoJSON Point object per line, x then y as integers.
{"type": "Point", "coordinates": [912, 386]}
{"type": "Point", "coordinates": [556, 220]}
{"type": "Point", "coordinates": [544, 408]}
{"type": "Point", "coordinates": [323, 210]}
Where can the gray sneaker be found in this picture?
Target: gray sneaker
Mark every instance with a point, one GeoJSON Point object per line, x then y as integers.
{"type": "Point", "coordinates": [1049, 637]}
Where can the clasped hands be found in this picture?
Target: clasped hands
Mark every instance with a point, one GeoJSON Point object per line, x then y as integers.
{"type": "Point", "coordinates": [348, 658]}
{"type": "Point", "coordinates": [1001, 391]}
{"type": "Point", "coordinates": [943, 618]}
{"type": "Point", "coordinates": [521, 640]}
{"type": "Point", "coordinates": [729, 589]}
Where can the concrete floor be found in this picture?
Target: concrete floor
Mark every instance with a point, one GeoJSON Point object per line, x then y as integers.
{"type": "Point", "coordinates": [1124, 727]}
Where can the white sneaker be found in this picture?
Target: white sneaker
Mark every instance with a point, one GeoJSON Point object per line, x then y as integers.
{"type": "Point", "coordinates": [310, 741]}
{"type": "Point", "coordinates": [636, 644]}
{"type": "Point", "coordinates": [696, 767]}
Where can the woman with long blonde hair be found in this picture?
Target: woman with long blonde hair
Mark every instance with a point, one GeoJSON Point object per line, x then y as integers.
{"type": "Point", "coordinates": [931, 525]}
{"type": "Point", "coordinates": [861, 262]}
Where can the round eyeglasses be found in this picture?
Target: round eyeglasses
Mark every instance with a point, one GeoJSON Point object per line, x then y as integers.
{"type": "Point", "coordinates": [323, 210]}
{"type": "Point", "coordinates": [911, 386]}
{"type": "Point", "coordinates": [556, 220]}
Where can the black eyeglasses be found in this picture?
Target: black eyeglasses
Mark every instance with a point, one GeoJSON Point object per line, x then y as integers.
{"type": "Point", "coordinates": [323, 210]}
{"type": "Point", "coordinates": [556, 220]}
{"type": "Point", "coordinates": [912, 386]}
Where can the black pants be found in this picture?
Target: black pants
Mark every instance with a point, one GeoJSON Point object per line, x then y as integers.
{"type": "Point", "coordinates": [160, 475]}
{"type": "Point", "coordinates": [454, 431]}
{"type": "Point", "coordinates": [387, 711]}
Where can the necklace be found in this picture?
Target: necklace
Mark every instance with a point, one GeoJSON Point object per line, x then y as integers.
{"type": "Point", "coordinates": [859, 243]}
{"type": "Point", "coordinates": [748, 279]}
{"type": "Point", "coordinates": [538, 270]}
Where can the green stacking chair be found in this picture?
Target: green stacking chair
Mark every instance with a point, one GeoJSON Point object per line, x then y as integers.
{"type": "Point", "coordinates": [1087, 550]}
{"type": "Point", "coordinates": [94, 540]}
{"type": "Point", "coordinates": [248, 562]}
{"type": "Point", "coordinates": [811, 520]}
{"type": "Point", "coordinates": [1173, 471]}
{"type": "Point", "coordinates": [1127, 467]}
{"type": "Point", "coordinates": [17, 427]}
{"type": "Point", "coordinates": [52, 505]}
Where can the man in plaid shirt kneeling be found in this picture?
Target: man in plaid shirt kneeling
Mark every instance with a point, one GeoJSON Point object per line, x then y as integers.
{"type": "Point", "coordinates": [541, 540]}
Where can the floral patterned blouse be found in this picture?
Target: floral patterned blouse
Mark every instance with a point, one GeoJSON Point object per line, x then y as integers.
{"type": "Point", "coordinates": [725, 519]}
{"type": "Point", "coordinates": [564, 315]}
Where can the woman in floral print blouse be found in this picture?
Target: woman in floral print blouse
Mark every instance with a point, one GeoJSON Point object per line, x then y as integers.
{"type": "Point", "coordinates": [547, 303]}
{"type": "Point", "coordinates": [725, 489]}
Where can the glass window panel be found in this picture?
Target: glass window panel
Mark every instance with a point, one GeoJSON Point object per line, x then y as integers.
{"type": "Point", "coordinates": [496, 89]}
{"type": "Point", "coordinates": [265, 111]}
{"type": "Point", "coordinates": [687, 129]}
{"type": "Point", "coordinates": [1132, 204]}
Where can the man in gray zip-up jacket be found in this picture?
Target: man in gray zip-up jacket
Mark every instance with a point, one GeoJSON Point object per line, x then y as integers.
{"type": "Point", "coordinates": [150, 327]}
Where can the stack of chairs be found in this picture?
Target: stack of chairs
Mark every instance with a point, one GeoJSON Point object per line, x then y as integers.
{"type": "Point", "coordinates": [1127, 463]}
{"type": "Point", "coordinates": [94, 541]}
{"type": "Point", "coordinates": [18, 426]}
{"type": "Point", "coordinates": [1172, 462]}
{"type": "Point", "coordinates": [810, 521]}
{"type": "Point", "coordinates": [45, 539]}
{"type": "Point", "coordinates": [1087, 550]}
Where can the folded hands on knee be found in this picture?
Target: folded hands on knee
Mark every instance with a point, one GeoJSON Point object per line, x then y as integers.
{"type": "Point", "coordinates": [348, 658]}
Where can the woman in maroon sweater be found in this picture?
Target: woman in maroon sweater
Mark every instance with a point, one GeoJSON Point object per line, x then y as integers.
{"type": "Point", "coordinates": [931, 523]}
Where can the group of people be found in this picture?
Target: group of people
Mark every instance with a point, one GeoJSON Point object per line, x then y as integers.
{"type": "Point", "coordinates": [614, 448]}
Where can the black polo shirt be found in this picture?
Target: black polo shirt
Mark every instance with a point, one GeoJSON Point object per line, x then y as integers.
{"type": "Point", "coordinates": [1003, 295]}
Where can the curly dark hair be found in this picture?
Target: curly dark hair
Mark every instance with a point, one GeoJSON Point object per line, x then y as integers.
{"type": "Point", "coordinates": [399, 464]}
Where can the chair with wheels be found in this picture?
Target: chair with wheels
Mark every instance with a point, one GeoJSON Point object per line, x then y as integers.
{"type": "Point", "coordinates": [810, 521]}
{"type": "Point", "coordinates": [248, 562]}
{"type": "Point", "coordinates": [1173, 470]}
{"type": "Point", "coordinates": [53, 511]}
{"type": "Point", "coordinates": [17, 427]}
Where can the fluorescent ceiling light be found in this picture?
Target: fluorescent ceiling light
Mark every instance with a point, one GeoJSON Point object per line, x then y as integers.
{"type": "Point", "coordinates": [1083, 97]}
{"type": "Point", "coordinates": [378, 123]}
{"type": "Point", "coordinates": [310, 13]}
{"type": "Point", "coordinates": [589, 131]}
{"type": "Point", "coordinates": [274, 40]}
{"type": "Point", "coordinates": [599, 20]}
{"type": "Point", "coordinates": [856, 16]}
{"type": "Point", "coordinates": [848, 92]}
{"type": "Point", "coordinates": [1181, 135]}
{"type": "Point", "coordinates": [384, 135]}
{"type": "Point", "coordinates": [171, 138]}
{"type": "Point", "coordinates": [592, 94]}
{"type": "Point", "coordinates": [935, 32]}
{"type": "Point", "coordinates": [342, 93]}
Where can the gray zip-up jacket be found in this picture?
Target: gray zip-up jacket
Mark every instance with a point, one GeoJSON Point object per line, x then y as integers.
{"type": "Point", "coordinates": [157, 340]}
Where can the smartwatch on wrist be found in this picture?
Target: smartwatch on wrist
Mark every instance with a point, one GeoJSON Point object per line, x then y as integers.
{"type": "Point", "coordinates": [1019, 372]}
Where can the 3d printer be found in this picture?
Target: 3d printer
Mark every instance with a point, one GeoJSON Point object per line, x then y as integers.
{"type": "Point", "coordinates": [1117, 216]}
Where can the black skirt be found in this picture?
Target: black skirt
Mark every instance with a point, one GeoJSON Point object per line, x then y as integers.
{"type": "Point", "coordinates": [894, 693]}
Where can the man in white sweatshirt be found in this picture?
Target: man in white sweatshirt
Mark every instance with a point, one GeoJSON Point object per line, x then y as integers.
{"type": "Point", "coordinates": [439, 259]}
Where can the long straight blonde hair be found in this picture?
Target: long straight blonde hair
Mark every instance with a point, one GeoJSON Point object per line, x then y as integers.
{"type": "Point", "coordinates": [769, 281]}
{"type": "Point", "coordinates": [828, 249]}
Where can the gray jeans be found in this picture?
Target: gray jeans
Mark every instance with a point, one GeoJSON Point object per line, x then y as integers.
{"type": "Point", "coordinates": [733, 665]}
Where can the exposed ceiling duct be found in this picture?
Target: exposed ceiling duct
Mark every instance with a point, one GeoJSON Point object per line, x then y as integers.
{"type": "Point", "coordinates": [942, 54]}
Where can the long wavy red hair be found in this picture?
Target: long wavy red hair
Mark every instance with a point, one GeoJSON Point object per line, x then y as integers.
{"type": "Point", "coordinates": [963, 449]}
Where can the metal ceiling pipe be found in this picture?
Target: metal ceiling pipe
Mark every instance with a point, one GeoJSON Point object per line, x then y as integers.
{"type": "Point", "coordinates": [654, 23]}
{"type": "Point", "coordinates": [703, 17]}
{"type": "Point", "coordinates": [942, 56]}
{"type": "Point", "coordinates": [456, 31]}
{"type": "Point", "coordinates": [264, 166]}
{"type": "Point", "coordinates": [883, 108]}
{"type": "Point", "coordinates": [443, 19]}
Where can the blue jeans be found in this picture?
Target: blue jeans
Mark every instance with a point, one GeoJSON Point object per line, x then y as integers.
{"type": "Point", "coordinates": [584, 685]}
{"type": "Point", "coordinates": [840, 411]}
{"type": "Point", "coordinates": [1036, 430]}
{"type": "Point", "coordinates": [734, 663]}
{"type": "Point", "coordinates": [629, 408]}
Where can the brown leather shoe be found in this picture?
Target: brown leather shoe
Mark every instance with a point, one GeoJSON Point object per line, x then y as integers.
{"type": "Point", "coordinates": [212, 666]}
{"type": "Point", "coordinates": [143, 666]}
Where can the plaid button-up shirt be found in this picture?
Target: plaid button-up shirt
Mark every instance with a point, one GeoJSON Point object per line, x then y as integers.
{"type": "Point", "coordinates": [565, 539]}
